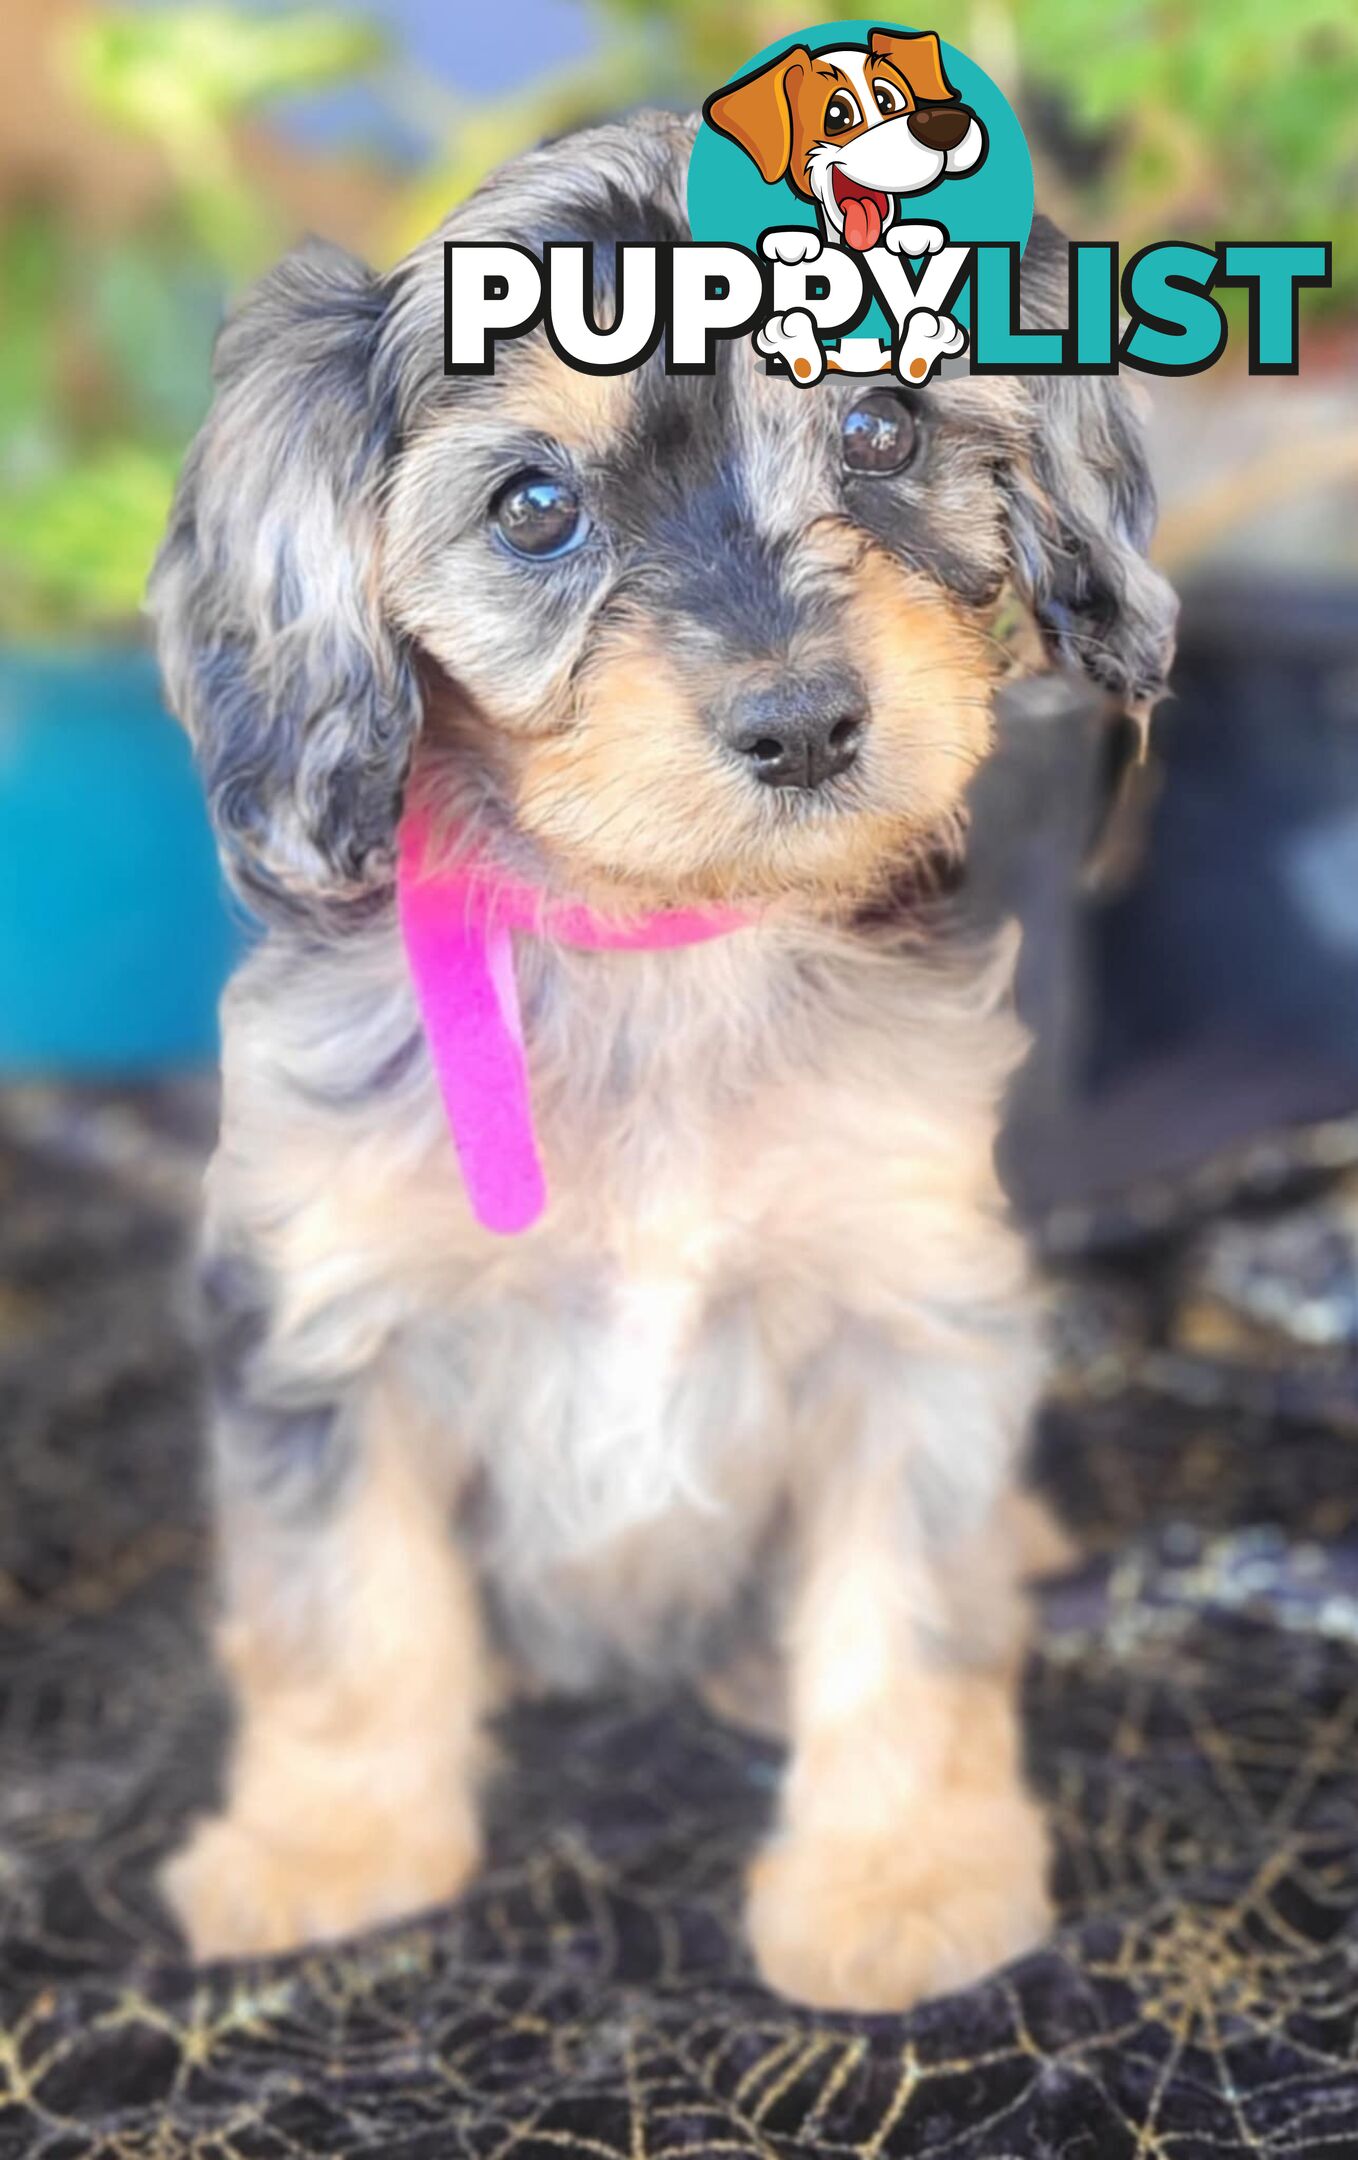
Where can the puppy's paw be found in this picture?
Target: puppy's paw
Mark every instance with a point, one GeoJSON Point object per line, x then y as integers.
{"type": "Point", "coordinates": [791, 244]}
{"type": "Point", "coordinates": [849, 1924]}
{"type": "Point", "coordinates": [914, 240]}
{"type": "Point", "coordinates": [792, 339]}
{"type": "Point", "coordinates": [925, 340]}
{"type": "Point", "coordinates": [237, 1893]}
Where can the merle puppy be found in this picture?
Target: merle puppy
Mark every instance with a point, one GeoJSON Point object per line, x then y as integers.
{"type": "Point", "coordinates": [757, 1379]}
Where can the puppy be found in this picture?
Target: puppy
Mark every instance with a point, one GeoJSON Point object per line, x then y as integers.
{"type": "Point", "coordinates": [852, 129]}
{"type": "Point", "coordinates": [759, 1376]}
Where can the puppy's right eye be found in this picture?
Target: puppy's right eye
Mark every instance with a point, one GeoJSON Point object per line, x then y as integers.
{"type": "Point", "coordinates": [879, 434]}
{"type": "Point", "coordinates": [539, 517]}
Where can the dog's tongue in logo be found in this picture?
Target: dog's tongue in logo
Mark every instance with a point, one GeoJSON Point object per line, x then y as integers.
{"type": "Point", "coordinates": [839, 158]}
{"type": "Point", "coordinates": [864, 209]}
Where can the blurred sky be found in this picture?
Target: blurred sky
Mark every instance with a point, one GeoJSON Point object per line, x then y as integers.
{"type": "Point", "coordinates": [488, 47]}
{"type": "Point", "coordinates": [482, 50]}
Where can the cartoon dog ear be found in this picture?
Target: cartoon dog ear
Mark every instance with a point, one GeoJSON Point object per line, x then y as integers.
{"type": "Point", "coordinates": [1082, 511]}
{"type": "Point", "coordinates": [756, 112]}
{"type": "Point", "coordinates": [301, 704]}
{"type": "Point", "coordinates": [920, 60]}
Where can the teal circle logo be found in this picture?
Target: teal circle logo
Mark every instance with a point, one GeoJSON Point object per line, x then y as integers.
{"type": "Point", "coordinates": [860, 131]}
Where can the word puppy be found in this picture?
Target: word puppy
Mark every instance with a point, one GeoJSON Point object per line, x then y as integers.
{"type": "Point", "coordinates": [852, 130]}
{"type": "Point", "coordinates": [701, 666]}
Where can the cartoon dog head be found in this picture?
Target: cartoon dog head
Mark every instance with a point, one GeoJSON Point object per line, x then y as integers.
{"type": "Point", "coordinates": [852, 128]}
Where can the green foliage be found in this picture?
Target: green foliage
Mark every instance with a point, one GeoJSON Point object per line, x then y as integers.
{"type": "Point", "coordinates": [1235, 118]}
{"type": "Point", "coordinates": [106, 343]}
{"type": "Point", "coordinates": [1217, 120]}
{"type": "Point", "coordinates": [170, 73]}
{"type": "Point", "coordinates": [180, 78]}
{"type": "Point", "coordinates": [103, 374]}
{"type": "Point", "coordinates": [81, 538]}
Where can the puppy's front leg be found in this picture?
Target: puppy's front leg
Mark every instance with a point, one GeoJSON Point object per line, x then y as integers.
{"type": "Point", "coordinates": [352, 1639]}
{"type": "Point", "coordinates": [909, 1858]}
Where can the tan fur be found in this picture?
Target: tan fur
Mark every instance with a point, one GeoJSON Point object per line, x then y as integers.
{"type": "Point", "coordinates": [359, 1690]}
{"type": "Point", "coordinates": [635, 796]}
{"type": "Point", "coordinates": [895, 1904]}
{"type": "Point", "coordinates": [586, 412]}
{"type": "Point", "coordinates": [909, 1858]}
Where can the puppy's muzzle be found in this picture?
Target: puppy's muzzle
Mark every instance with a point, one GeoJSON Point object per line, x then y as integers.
{"type": "Point", "coordinates": [939, 127]}
{"type": "Point", "coordinates": [798, 732]}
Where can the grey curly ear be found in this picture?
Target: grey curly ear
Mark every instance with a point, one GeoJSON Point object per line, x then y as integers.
{"type": "Point", "coordinates": [1082, 512]}
{"type": "Point", "coordinates": [301, 702]}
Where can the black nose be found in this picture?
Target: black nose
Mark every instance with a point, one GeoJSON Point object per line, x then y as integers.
{"type": "Point", "coordinates": [801, 732]}
{"type": "Point", "coordinates": [939, 127]}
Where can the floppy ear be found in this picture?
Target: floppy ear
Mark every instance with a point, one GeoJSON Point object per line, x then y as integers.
{"type": "Point", "coordinates": [920, 60]}
{"type": "Point", "coordinates": [1082, 511]}
{"type": "Point", "coordinates": [301, 704]}
{"type": "Point", "coordinates": [757, 112]}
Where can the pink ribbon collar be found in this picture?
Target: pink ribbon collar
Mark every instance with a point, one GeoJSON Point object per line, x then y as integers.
{"type": "Point", "coordinates": [458, 922]}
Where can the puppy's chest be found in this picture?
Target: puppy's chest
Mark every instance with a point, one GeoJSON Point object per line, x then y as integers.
{"type": "Point", "coordinates": [618, 1423]}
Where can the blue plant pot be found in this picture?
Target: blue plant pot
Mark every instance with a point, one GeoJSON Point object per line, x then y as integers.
{"type": "Point", "coordinates": [115, 929]}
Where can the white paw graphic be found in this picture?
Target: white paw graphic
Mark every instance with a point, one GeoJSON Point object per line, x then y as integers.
{"type": "Point", "coordinates": [792, 339]}
{"type": "Point", "coordinates": [914, 239]}
{"type": "Point", "coordinates": [926, 339]}
{"type": "Point", "coordinates": [791, 244]}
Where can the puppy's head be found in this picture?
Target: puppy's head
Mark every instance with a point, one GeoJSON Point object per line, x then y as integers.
{"type": "Point", "coordinates": [852, 128]}
{"type": "Point", "coordinates": [661, 637]}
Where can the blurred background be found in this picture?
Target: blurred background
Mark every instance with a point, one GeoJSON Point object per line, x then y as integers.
{"type": "Point", "coordinates": [153, 159]}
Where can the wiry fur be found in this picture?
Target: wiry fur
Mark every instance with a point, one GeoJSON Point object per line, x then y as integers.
{"type": "Point", "coordinates": [763, 1369]}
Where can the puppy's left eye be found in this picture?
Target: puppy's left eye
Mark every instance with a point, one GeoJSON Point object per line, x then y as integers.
{"type": "Point", "coordinates": [841, 113]}
{"type": "Point", "coordinates": [887, 97]}
{"type": "Point", "coordinates": [539, 517]}
{"type": "Point", "coordinates": [879, 434]}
